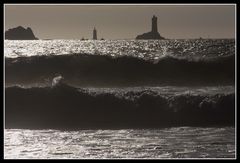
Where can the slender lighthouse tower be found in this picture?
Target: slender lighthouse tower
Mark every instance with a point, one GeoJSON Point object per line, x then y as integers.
{"type": "Point", "coordinates": [153, 34]}
{"type": "Point", "coordinates": [154, 24]}
{"type": "Point", "coordinates": [94, 34]}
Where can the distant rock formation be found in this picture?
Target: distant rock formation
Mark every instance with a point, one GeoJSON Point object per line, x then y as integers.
{"type": "Point", "coordinates": [154, 34]}
{"type": "Point", "coordinates": [150, 35]}
{"type": "Point", "coordinates": [20, 33]}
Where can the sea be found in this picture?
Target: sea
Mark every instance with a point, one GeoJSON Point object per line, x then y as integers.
{"type": "Point", "coordinates": [120, 99]}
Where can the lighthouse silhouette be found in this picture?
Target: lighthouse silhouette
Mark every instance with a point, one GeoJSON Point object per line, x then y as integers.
{"type": "Point", "coordinates": [154, 24]}
{"type": "Point", "coordinates": [94, 34]}
{"type": "Point", "coordinates": [153, 34]}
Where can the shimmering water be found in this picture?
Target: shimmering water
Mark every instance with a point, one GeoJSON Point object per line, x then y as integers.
{"type": "Point", "coordinates": [145, 49]}
{"type": "Point", "coordinates": [180, 142]}
{"type": "Point", "coordinates": [175, 142]}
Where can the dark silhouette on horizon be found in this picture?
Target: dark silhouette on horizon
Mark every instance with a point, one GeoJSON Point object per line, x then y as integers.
{"type": "Point", "coordinates": [153, 34]}
{"type": "Point", "coordinates": [94, 34]}
{"type": "Point", "coordinates": [20, 33]}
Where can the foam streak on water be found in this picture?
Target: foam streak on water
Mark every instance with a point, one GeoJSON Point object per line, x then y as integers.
{"type": "Point", "coordinates": [180, 142]}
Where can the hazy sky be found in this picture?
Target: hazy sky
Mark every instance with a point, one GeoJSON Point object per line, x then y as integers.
{"type": "Point", "coordinates": [120, 22]}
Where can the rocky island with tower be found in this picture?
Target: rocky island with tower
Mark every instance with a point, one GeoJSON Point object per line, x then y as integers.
{"type": "Point", "coordinates": [153, 34]}
{"type": "Point", "coordinates": [20, 33]}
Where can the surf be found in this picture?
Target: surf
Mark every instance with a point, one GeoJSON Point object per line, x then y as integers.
{"type": "Point", "coordinates": [104, 70]}
{"type": "Point", "coordinates": [67, 107]}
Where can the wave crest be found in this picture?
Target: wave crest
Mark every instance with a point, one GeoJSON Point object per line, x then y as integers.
{"type": "Point", "coordinates": [96, 70]}
{"type": "Point", "coordinates": [67, 107]}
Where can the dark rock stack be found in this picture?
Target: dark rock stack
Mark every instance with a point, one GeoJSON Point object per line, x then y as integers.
{"type": "Point", "coordinates": [20, 33]}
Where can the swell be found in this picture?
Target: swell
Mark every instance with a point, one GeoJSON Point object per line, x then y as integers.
{"type": "Point", "coordinates": [100, 70]}
{"type": "Point", "coordinates": [65, 107]}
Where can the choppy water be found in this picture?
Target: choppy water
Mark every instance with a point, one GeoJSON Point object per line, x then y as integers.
{"type": "Point", "coordinates": [180, 142]}
{"type": "Point", "coordinates": [157, 72]}
{"type": "Point", "coordinates": [114, 63]}
{"type": "Point", "coordinates": [146, 49]}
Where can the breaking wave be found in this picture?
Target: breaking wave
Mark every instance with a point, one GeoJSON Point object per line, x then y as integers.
{"type": "Point", "coordinates": [101, 70]}
{"type": "Point", "coordinates": [66, 107]}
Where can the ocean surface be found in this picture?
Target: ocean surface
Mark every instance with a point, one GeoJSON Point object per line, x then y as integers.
{"type": "Point", "coordinates": [120, 98]}
{"type": "Point", "coordinates": [177, 142]}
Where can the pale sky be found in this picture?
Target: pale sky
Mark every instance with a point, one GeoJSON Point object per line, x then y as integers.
{"type": "Point", "coordinates": [121, 21]}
